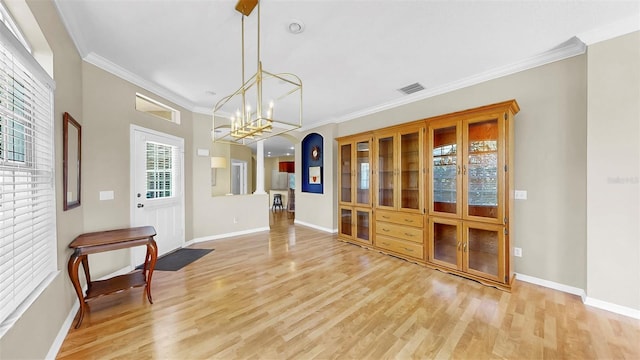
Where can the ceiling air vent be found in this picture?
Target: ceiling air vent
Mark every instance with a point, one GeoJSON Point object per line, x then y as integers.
{"type": "Point", "coordinates": [410, 89]}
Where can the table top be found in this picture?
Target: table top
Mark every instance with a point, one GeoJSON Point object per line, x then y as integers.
{"type": "Point", "coordinates": [112, 237]}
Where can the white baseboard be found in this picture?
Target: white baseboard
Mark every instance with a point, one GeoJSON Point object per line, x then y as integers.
{"type": "Point", "coordinates": [552, 285]}
{"type": "Point", "coordinates": [64, 330]}
{"type": "Point", "coordinates": [614, 308]}
{"type": "Point", "coordinates": [331, 231]}
{"type": "Point", "coordinates": [600, 304]}
{"type": "Point", "coordinates": [66, 325]}
{"type": "Point", "coordinates": [227, 235]}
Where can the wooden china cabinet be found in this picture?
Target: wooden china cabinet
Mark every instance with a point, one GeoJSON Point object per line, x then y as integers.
{"type": "Point", "coordinates": [439, 190]}
{"type": "Point", "coordinates": [399, 201]}
{"type": "Point", "coordinates": [355, 200]}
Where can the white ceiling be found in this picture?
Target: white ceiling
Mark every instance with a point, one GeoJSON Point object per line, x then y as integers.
{"type": "Point", "coordinates": [352, 56]}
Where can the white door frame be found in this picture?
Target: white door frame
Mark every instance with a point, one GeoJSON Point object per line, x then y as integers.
{"type": "Point", "coordinates": [132, 164]}
{"type": "Point", "coordinates": [242, 168]}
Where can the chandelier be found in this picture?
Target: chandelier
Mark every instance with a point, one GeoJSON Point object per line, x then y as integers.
{"type": "Point", "coordinates": [265, 105]}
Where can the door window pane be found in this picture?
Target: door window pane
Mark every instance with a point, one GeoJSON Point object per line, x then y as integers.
{"type": "Point", "coordinates": [159, 172]}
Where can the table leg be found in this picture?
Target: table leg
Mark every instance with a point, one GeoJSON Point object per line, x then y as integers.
{"type": "Point", "coordinates": [74, 263]}
{"type": "Point", "coordinates": [152, 256]}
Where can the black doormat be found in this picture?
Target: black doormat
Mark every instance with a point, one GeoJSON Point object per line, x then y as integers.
{"type": "Point", "coordinates": [178, 259]}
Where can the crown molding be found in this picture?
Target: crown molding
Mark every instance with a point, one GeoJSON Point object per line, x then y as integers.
{"type": "Point", "coordinates": [75, 36]}
{"type": "Point", "coordinates": [570, 48]}
{"type": "Point", "coordinates": [618, 28]}
{"type": "Point", "coordinates": [124, 74]}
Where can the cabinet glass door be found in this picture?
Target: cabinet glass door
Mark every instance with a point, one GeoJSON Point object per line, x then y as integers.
{"type": "Point", "coordinates": [481, 169]}
{"type": "Point", "coordinates": [446, 241]}
{"type": "Point", "coordinates": [410, 176]}
{"type": "Point", "coordinates": [363, 181]}
{"type": "Point", "coordinates": [483, 249]}
{"type": "Point", "coordinates": [346, 222]}
{"type": "Point", "coordinates": [386, 170]}
{"type": "Point", "coordinates": [445, 170]}
{"type": "Point", "coordinates": [345, 173]}
{"type": "Point", "coordinates": [363, 228]}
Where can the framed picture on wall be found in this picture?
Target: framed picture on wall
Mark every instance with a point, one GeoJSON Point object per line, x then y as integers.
{"type": "Point", "coordinates": [315, 175]}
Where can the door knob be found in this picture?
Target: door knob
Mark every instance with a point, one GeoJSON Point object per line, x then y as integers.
{"type": "Point", "coordinates": [140, 205]}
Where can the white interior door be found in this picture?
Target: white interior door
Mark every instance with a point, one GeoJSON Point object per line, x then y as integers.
{"type": "Point", "coordinates": [157, 183]}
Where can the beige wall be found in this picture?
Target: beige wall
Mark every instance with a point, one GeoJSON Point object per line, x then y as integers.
{"type": "Point", "coordinates": [550, 163]}
{"type": "Point", "coordinates": [551, 160]}
{"type": "Point", "coordinates": [109, 112]}
{"type": "Point", "coordinates": [213, 216]}
{"type": "Point", "coordinates": [319, 210]}
{"type": "Point", "coordinates": [32, 335]}
{"type": "Point", "coordinates": [613, 200]}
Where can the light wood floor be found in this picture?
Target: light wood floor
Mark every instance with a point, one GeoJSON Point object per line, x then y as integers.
{"type": "Point", "coordinates": [295, 292]}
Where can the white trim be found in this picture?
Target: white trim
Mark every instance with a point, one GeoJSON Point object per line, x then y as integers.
{"type": "Point", "coordinates": [227, 235]}
{"type": "Point", "coordinates": [171, 140]}
{"type": "Point", "coordinates": [26, 304]}
{"type": "Point", "coordinates": [314, 226]}
{"type": "Point", "coordinates": [66, 325]}
{"type": "Point", "coordinates": [110, 67]}
{"type": "Point", "coordinates": [604, 305]}
{"type": "Point", "coordinates": [614, 308]}
{"type": "Point", "coordinates": [570, 48]}
{"type": "Point", "coordinates": [64, 330]}
{"type": "Point", "coordinates": [610, 31]}
{"type": "Point", "coordinates": [552, 285]}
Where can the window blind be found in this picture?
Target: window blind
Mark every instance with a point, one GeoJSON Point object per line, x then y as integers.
{"type": "Point", "coordinates": [27, 193]}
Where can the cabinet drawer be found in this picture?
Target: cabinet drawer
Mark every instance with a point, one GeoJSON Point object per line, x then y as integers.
{"type": "Point", "coordinates": [400, 246]}
{"type": "Point", "coordinates": [416, 220]}
{"type": "Point", "coordinates": [400, 231]}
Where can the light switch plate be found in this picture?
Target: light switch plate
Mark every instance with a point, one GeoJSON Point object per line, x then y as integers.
{"type": "Point", "coordinates": [203, 152]}
{"type": "Point", "coordinates": [520, 195]}
{"type": "Point", "coordinates": [106, 195]}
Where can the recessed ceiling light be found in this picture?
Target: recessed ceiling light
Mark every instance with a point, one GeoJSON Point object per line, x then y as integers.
{"type": "Point", "coordinates": [291, 148]}
{"type": "Point", "coordinates": [295, 26]}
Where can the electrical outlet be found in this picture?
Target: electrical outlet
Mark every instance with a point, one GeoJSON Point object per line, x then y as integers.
{"type": "Point", "coordinates": [517, 252]}
{"type": "Point", "coordinates": [235, 220]}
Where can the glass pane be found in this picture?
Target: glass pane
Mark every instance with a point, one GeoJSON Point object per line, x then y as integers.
{"type": "Point", "coordinates": [346, 221]}
{"type": "Point", "coordinates": [483, 251]}
{"type": "Point", "coordinates": [345, 171]}
{"type": "Point", "coordinates": [362, 185]}
{"type": "Point", "coordinates": [445, 170]}
{"type": "Point", "coordinates": [410, 175]}
{"type": "Point", "coordinates": [445, 243]}
{"type": "Point", "coordinates": [482, 169]}
{"type": "Point", "coordinates": [159, 172]}
{"type": "Point", "coordinates": [362, 231]}
{"type": "Point", "coordinates": [385, 171]}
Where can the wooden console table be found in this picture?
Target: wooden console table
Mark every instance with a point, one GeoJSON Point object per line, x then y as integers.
{"type": "Point", "coordinates": [91, 243]}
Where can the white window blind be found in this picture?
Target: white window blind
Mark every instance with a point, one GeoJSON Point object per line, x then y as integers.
{"type": "Point", "coordinates": [27, 194]}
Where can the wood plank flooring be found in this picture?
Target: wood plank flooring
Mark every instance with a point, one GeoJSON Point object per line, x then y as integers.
{"type": "Point", "coordinates": [298, 293]}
